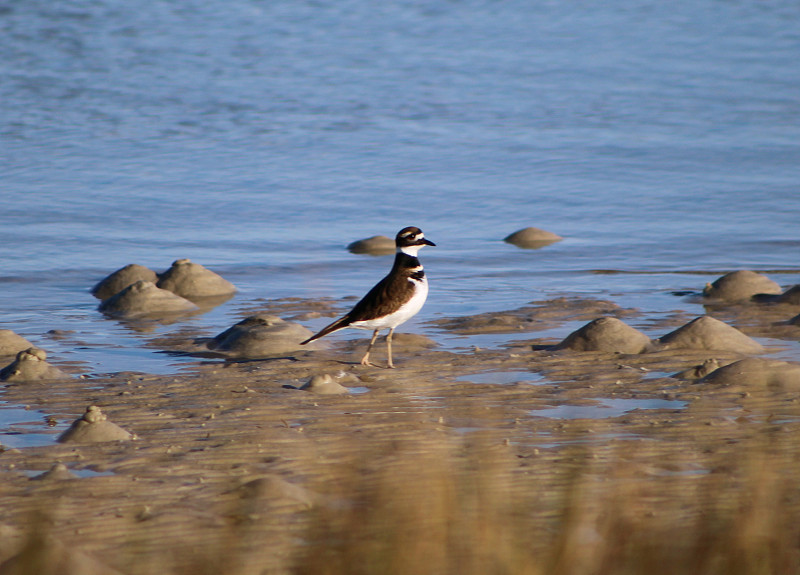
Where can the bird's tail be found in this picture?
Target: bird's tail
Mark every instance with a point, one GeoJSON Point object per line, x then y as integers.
{"type": "Point", "coordinates": [335, 326]}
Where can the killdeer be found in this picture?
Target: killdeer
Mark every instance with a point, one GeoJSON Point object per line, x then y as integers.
{"type": "Point", "coordinates": [394, 299]}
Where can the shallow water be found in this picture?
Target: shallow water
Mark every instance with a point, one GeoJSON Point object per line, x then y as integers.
{"type": "Point", "coordinates": [504, 377]}
{"type": "Point", "coordinates": [605, 408]}
{"type": "Point", "coordinates": [662, 140]}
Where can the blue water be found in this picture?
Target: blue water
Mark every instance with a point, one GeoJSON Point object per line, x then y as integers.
{"type": "Point", "coordinates": [607, 407]}
{"type": "Point", "coordinates": [505, 377]}
{"type": "Point", "coordinates": [661, 139]}
{"type": "Point", "coordinates": [21, 427]}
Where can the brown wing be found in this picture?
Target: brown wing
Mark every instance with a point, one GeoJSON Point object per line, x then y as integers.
{"type": "Point", "coordinates": [380, 300]}
{"type": "Point", "coordinates": [383, 298]}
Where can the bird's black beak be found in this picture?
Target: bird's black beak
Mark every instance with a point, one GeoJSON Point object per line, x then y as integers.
{"type": "Point", "coordinates": [427, 242]}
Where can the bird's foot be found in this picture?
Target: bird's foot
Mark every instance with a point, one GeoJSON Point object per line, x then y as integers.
{"type": "Point", "coordinates": [365, 361]}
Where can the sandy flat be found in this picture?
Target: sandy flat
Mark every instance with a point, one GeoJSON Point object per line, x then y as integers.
{"type": "Point", "coordinates": [233, 466]}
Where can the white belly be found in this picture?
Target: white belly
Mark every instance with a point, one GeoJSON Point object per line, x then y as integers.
{"type": "Point", "coordinates": [402, 315]}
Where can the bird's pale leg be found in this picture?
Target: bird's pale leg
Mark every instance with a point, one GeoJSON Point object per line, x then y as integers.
{"type": "Point", "coordinates": [365, 359]}
{"type": "Point", "coordinates": [389, 346]}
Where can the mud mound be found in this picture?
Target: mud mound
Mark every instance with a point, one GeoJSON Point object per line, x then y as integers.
{"type": "Point", "coordinates": [31, 365]}
{"type": "Point", "coordinates": [268, 493]}
{"type": "Point", "coordinates": [93, 427]}
{"type": "Point", "coordinates": [58, 472]}
{"type": "Point", "coordinates": [532, 238]}
{"type": "Point", "coordinates": [260, 336]}
{"type": "Point", "coordinates": [374, 246]}
{"type": "Point", "coordinates": [193, 281]}
{"type": "Point", "coordinates": [11, 343]}
{"type": "Point", "coordinates": [757, 373]}
{"type": "Point", "coordinates": [11, 541]}
{"type": "Point", "coordinates": [705, 332]}
{"type": "Point", "coordinates": [324, 384]}
{"type": "Point", "coordinates": [122, 278]}
{"type": "Point", "coordinates": [607, 334]}
{"type": "Point", "coordinates": [144, 299]}
{"type": "Point", "coordinates": [740, 285]}
{"type": "Point", "coordinates": [48, 556]}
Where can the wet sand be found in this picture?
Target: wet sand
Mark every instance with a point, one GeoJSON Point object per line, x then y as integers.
{"type": "Point", "coordinates": [233, 469]}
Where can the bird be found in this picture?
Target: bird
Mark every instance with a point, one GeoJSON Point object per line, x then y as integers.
{"type": "Point", "coordinates": [393, 300]}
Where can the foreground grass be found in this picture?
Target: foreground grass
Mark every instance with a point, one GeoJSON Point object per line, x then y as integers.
{"type": "Point", "coordinates": [470, 504]}
{"type": "Point", "coordinates": [445, 511]}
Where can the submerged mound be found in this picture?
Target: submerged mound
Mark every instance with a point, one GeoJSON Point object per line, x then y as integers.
{"type": "Point", "coordinates": [740, 285]}
{"type": "Point", "coordinates": [143, 299]}
{"type": "Point", "coordinates": [375, 246]}
{"type": "Point", "coordinates": [31, 365]}
{"type": "Point", "coordinates": [606, 334]}
{"type": "Point", "coordinates": [412, 341]}
{"type": "Point", "coordinates": [790, 297]}
{"type": "Point", "coordinates": [272, 490]}
{"type": "Point", "coordinates": [698, 371]}
{"type": "Point", "coordinates": [194, 281]}
{"type": "Point", "coordinates": [122, 278]}
{"type": "Point", "coordinates": [705, 332]}
{"type": "Point", "coordinates": [11, 343]}
{"type": "Point", "coordinates": [492, 322]}
{"type": "Point", "coordinates": [93, 427]}
{"type": "Point", "coordinates": [532, 238]}
{"type": "Point", "coordinates": [259, 336]}
{"type": "Point", "coordinates": [755, 372]}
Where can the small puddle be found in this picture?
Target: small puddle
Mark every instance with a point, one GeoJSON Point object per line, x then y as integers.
{"type": "Point", "coordinates": [78, 473]}
{"type": "Point", "coordinates": [588, 439]}
{"type": "Point", "coordinates": [503, 377]}
{"type": "Point", "coordinates": [20, 427]}
{"type": "Point", "coordinates": [682, 472]}
{"type": "Point", "coordinates": [606, 408]}
{"type": "Point", "coordinates": [91, 473]}
{"type": "Point", "coordinates": [651, 375]}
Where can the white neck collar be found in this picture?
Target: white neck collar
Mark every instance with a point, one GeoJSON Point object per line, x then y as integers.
{"type": "Point", "coordinates": [411, 250]}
